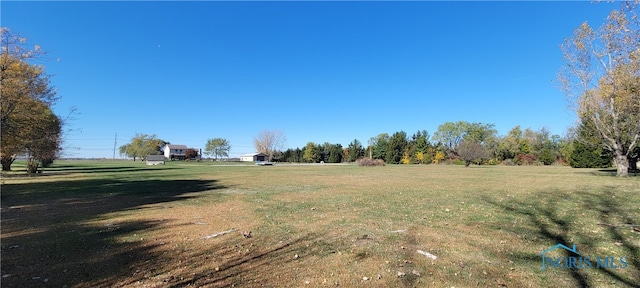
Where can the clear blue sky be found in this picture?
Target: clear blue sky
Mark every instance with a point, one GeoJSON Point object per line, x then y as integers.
{"type": "Point", "coordinates": [318, 71]}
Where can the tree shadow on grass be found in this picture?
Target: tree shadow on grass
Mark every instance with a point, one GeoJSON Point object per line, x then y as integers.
{"type": "Point", "coordinates": [19, 171]}
{"type": "Point", "coordinates": [553, 221]}
{"type": "Point", "coordinates": [65, 169]}
{"type": "Point", "coordinates": [615, 220]}
{"type": "Point", "coordinates": [606, 172]}
{"type": "Point", "coordinates": [262, 264]}
{"type": "Point", "coordinates": [50, 237]}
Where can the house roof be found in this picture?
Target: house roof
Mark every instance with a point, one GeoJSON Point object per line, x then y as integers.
{"type": "Point", "coordinates": [171, 146]}
{"type": "Point", "coordinates": [155, 157]}
{"type": "Point", "coordinates": [253, 154]}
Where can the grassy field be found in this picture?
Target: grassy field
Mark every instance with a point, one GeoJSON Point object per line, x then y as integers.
{"type": "Point", "coordinates": [115, 224]}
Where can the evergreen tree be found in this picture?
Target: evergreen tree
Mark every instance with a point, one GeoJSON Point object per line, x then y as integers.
{"type": "Point", "coordinates": [586, 155]}
{"type": "Point", "coordinates": [335, 153]}
{"type": "Point", "coordinates": [396, 147]}
{"type": "Point", "coordinates": [355, 150]}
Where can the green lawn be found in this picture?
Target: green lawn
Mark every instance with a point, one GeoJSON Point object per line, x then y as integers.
{"type": "Point", "coordinates": [115, 223]}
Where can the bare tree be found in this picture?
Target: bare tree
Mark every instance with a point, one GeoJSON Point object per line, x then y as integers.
{"type": "Point", "coordinates": [601, 76]}
{"type": "Point", "coordinates": [269, 141]}
{"type": "Point", "coordinates": [471, 151]}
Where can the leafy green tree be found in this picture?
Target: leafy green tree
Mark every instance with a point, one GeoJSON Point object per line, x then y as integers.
{"type": "Point", "coordinates": [311, 153]}
{"type": "Point", "coordinates": [335, 153]}
{"type": "Point", "coordinates": [528, 144]}
{"type": "Point", "coordinates": [128, 151]}
{"type": "Point", "coordinates": [450, 134]}
{"type": "Point", "coordinates": [479, 132]}
{"type": "Point", "coordinates": [292, 155]}
{"type": "Point", "coordinates": [42, 141]}
{"type": "Point", "coordinates": [484, 134]}
{"type": "Point", "coordinates": [298, 155]}
{"type": "Point", "coordinates": [142, 145]}
{"type": "Point", "coordinates": [217, 147]}
{"type": "Point", "coordinates": [324, 152]}
{"type": "Point", "coordinates": [548, 147]}
{"type": "Point", "coordinates": [509, 146]}
{"type": "Point", "coordinates": [565, 149]}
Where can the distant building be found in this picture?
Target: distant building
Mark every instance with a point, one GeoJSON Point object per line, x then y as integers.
{"type": "Point", "coordinates": [254, 157]}
{"type": "Point", "coordinates": [175, 152]}
{"type": "Point", "coordinates": [155, 159]}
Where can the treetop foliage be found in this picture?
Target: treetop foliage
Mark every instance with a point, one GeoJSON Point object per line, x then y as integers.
{"type": "Point", "coordinates": [218, 147]}
{"type": "Point", "coordinates": [142, 145]}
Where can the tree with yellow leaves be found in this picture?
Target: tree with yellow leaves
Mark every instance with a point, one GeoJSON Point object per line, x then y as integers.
{"type": "Point", "coordinates": [29, 127]}
{"type": "Point", "coordinates": [438, 157]}
{"type": "Point", "coordinates": [601, 78]}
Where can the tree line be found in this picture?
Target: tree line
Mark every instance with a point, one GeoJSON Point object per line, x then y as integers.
{"type": "Point", "coordinates": [464, 143]}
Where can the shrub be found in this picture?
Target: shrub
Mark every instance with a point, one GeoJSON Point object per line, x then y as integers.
{"type": "Point", "coordinates": [525, 159]}
{"type": "Point", "coordinates": [508, 162]}
{"type": "Point", "coordinates": [191, 153]}
{"type": "Point", "coordinates": [370, 162]}
{"type": "Point", "coordinates": [32, 166]}
{"type": "Point", "coordinates": [492, 162]}
{"type": "Point", "coordinates": [547, 157]}
{"type": "Point", "coordinates": [47, 162]}
{"type": "Point", "coordinates": [187, 160]}
{"type": "Point", "coordinates": [458, 162]}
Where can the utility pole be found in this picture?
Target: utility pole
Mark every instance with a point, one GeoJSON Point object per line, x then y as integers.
{"type": "Point", "coordinates": [115, 142]}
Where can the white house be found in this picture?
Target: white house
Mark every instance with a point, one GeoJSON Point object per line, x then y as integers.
{"type": "Point", "coordinates": [175, 152]}
{"type": "Point", "coordinates": [155, 159]}
{"type": "Point", "coordinates": [254, 157]}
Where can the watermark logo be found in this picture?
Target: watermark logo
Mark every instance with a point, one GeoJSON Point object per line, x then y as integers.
{"type": "Point", "coordinates": [576, 260]}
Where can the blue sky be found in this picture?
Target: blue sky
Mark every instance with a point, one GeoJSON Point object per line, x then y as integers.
{"type": "Point", "coordinates": [318, 71]}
